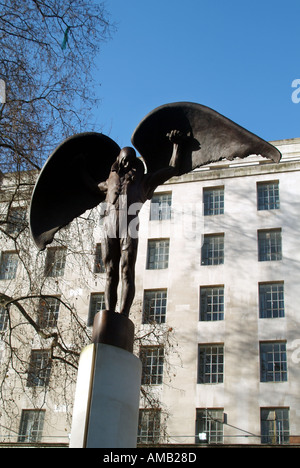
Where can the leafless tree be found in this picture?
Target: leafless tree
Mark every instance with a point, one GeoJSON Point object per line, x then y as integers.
{"type": "Point", "coordinates": [47, 54]}
{"type": "Point", "coordinates": [47, 62]}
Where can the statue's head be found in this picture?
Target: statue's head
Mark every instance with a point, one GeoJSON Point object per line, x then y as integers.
{"type": "Point", "coordinates": [129, 162]}
{"type": "Point", "coordinates": [127, 158]}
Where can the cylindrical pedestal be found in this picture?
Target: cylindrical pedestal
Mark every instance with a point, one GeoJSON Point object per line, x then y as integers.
{"type": "Point", "coordinates": [107, 395]}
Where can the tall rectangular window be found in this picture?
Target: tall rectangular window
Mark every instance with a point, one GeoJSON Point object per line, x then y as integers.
{"type": "Point", "coordinates": [268, 196]}
{"type": "Point", "coordinates": [158, 254]}
{"type": "Point", "coordinates": [39, 369]}
{"type": "Point", "coordinates": [271, 300]}
{"type": "Point", "coordinates": [213, 199]}
{"type": "Point", "coordinates": [55, 261]}
{"type": "Point", "coordinates": [161, 207]}
{"type": "Point", "coordinates": [31, 426]}
{"type": "Point", "coordinates": [212, 252]}
{"type": "Point", "coordinates": [273, 362]}
{"type": "Point", "coordinates": [48, 312]}
{"type": "Point", "coordinates": [210, 363]}
{"type": "Point", "coordinates": [211, 303]}
{"type": "Point", "coordinates": [3, 319]}
{"type": "Point", "coordinates": [269, 245]}
{"type": "Point", "coordinates": [210, 422]}
{"type": "Point", "coordinates": [8, 265]}
{"type": "Point", "coordinates": [149, 426]}
{"type": "Point", "coordinates": [155, 306]}
{"type": "Point", "coordinates": [152, 358]}
{"type": "Point", "coordinates": [275, 426]}
{"type": "Point", "coordinates": [16, 221]}
{"type": "Point", "coordinates": [97, 303]}
{"type": "Point", "coordinates": [98, 265]}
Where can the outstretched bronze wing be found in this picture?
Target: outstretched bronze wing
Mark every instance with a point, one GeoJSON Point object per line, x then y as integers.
{"type": "Point", "coordinates": [212, 137]}
{"type": "Point", "coordinates": [67, 184]}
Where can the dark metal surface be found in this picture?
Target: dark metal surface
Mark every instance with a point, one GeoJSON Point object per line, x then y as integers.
{"type": "Point", "coordinates": [67, 185]}
{"type": "Point", "coordinates": [113, 329]}
{"type": "Point", "coordinates": [213, 137]}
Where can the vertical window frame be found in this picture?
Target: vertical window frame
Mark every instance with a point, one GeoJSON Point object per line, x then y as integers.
{"type": "Point", "coordinates": [269, 245]}
{"type": "Point", "coordinates": [213, 249]}
{"type": "Point", "coordinates": [210, 363]}
{"type": "Point", "coordinates": [155, 306]}
{"type": "Point", "coordinates": [213, 201]}
{"type": "Point", "coordinates": [268, 197]}
{"type": "Point", "coordinates": [158, 254]}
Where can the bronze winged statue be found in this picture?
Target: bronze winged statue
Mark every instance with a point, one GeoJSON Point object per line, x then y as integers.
{"type": "Point", "coordinates": [90, 168]}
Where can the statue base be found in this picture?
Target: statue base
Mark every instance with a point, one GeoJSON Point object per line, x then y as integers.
{"type": "Point", "coordinates": [113, 329]}
{"type": "Point", "coordinates": [106, 406]}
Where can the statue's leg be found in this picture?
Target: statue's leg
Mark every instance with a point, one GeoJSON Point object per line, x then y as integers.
{"type": "Point", "coordinates": [128, 259]}
{"type": "Point", "coordinates": [111, 259]}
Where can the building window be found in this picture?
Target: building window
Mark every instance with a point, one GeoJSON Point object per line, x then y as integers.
{"type": "Point", "coordinates": [209, 422]}
{"type": "Point", "coordinates": [3, 319]}
{"type": "Point", "coordinates": [275, 427]}
{"type": "Point", "coordinates": [158, 254]}
{"type": "Point", "coordinates": [31, 427]}
{"type": "Point", "coordinates": [211, 303]}
{"type": "Point", "coordinates": [152, 358]}
{"type": "Point", "coordinates": [273, 362]}
{"type": "Point", "coordinates": [155, 306]}
{"type": "Point", "coordinates": [97, 303]}
{"type": "Point", "coordinates": [8, 265]}
{"type": "Point", "coordinates": [269, 245]}
{"type": "Point", "coordinates": [212, 252]}
{"type": "Point", "coordinates": [213, 199]}
{"type": "Point", "coordinates": [16, 221]}
{"type": "Point", "coordinates": [48, 312]}
{"type": "Point", "coordinates": [55, 261]}
{"type": "Point", "coordinates": [39, 369]}
{"type": "Point", "coordinates": [160, 208]}
{"type": "Point", "coordinates": [210, 363]}
{"type": "Point", "coordinates": [99, 265]}
{"type": "Point", "coordinates": [268, 196]}
{"type": "Point", "coordinates": [149, 426]}
{"type": "Point", "coordinates": [271, 300]}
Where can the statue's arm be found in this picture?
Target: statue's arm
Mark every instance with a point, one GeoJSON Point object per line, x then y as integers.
{"type": "Point", "coordinates": [162, 175]}
{"type": "Point", "coordinates": [103, 187]}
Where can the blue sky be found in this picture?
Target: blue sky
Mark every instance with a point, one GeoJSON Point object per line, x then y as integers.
{"type": "Point", "coordinates": [238, 57]}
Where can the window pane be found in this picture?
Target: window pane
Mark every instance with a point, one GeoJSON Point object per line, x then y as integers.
{"type": "Point", "coordinates": [271, 300]}
{"type": "Point", "coordinates": [158, 254]}
{"type": "Point", "coordinates": [160, 207]}
{"type": "Point", "coordinates": [268, 196]}
{"type": "Point", "coordinates": [149, 426]}
{"type": "Point", "coordinates": [155, 306]}
{"type": "Point", "coordinates": [16, 220]}
{"type": "Point", "coordinates": [275, 425]}
{"type": "Point", "coordinates": [212, 252]}
{"type": "Point", "coordinates": [48, 312]}
{"type": "Point", "coordinates": [273, 362]}
{"type": "Point", "coordinates": [152, 363]}
{"type": "Point", "coordinates": [99, 265]}
{"type": "Point", "coordinates": [8, 266]}
{"type": "Point", "coordinates": [39, 369]}
{"type": "Point", "coordinates": [55, 262]}
{"type": "Point", "coordinates": [269, 245]}
{"type": "Point", "coordinates": [210, 364]}
{"type": "Point", "coordinates": [210, 422]}
{"type": "Point", "coordinates": [97, 303]}
{"type": "Point", "coordinates": [213, 199]}
{"type": "Point", "coordinates": [3, 319]}
{"type": "Point", "coordinates": [212, 303]}
{"type": "Point", "coordinates": [31, 427]}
